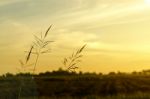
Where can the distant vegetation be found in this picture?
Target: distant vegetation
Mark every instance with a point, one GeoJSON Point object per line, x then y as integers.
{"type": "Point", "coordinates": [65, 84]}
{"type": "Point", "coordinates": [68, 84]}
{"type": "Point", "coordinates": [27, 83]}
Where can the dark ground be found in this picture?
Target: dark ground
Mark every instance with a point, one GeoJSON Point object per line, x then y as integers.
{"type": "Point", "coordinates": [69, 85]}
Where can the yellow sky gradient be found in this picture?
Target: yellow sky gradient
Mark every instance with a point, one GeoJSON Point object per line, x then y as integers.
{"type": "Point", "coordinates": [117, 33]}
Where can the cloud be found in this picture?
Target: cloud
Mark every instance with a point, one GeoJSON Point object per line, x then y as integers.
{"type": "Point", "coordinates": [7, 2]}
{"type": "Point", "coordinates": [107, 27]}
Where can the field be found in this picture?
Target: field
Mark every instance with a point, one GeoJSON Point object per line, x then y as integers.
{"type": "Point", "coordinates": [65, 85]}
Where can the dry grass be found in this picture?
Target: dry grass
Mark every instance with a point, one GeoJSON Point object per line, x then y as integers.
{"type": "Point", "coordinates": [39, 46]}
{"type": "Point", "coordinates": [72, 61]}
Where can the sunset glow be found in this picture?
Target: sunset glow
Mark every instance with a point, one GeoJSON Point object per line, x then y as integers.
{"type": "Point", "coordinates": [117, 33]}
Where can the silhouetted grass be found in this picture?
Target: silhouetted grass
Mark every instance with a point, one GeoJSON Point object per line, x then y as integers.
{"type": "Point", "coordinates": [72, 61]}
{"type": "Point", "coordinates": [38, 47]}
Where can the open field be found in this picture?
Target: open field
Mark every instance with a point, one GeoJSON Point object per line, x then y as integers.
{"type": "Point", "coordinates": [64, 85]}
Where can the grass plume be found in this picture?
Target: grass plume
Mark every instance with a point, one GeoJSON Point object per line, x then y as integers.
{"type": "Point", "coordinates": [72, 61]}
{"type": "Point", "coordinates": [39, 46]}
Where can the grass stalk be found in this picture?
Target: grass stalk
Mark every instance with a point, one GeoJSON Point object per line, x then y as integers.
{"type": "Point", "coordinates": [36, 61]}
{"type": "Point", "coordinates": [72, 61]}
{"type": "Point", "coordinates": [39, 47]}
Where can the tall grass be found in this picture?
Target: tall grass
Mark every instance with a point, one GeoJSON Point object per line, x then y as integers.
{"type": "Point", "coordinates": [39, 47]}
{"type": "Point", "coordinates": [72, 61]}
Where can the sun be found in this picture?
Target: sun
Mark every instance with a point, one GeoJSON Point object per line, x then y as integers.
{"type": "Point", "coordinates": [147, 2]}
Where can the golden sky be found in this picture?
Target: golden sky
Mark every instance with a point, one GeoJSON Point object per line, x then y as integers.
{"type": "Point", "coordinates": [117, 33]}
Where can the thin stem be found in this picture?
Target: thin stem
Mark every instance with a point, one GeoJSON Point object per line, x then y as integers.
{"type": "Point", "coordinates": [20, 89]}
{"type": "Point", "coordinates": [36, 61]}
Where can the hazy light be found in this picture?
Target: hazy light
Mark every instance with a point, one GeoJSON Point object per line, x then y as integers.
{"type": "Point", "coordinates": [147, 2]}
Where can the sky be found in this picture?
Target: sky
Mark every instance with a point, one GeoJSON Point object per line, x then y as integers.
{"type": "Point", "coordinates": [116, 33]}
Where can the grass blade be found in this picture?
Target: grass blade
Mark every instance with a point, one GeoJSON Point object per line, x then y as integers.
{"type": "Point", "coordinates": [82, 48]}
{"type": "Point", "coordinates": [47, 31]}
{"type": "Point", "coordinates": [29, 54]}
